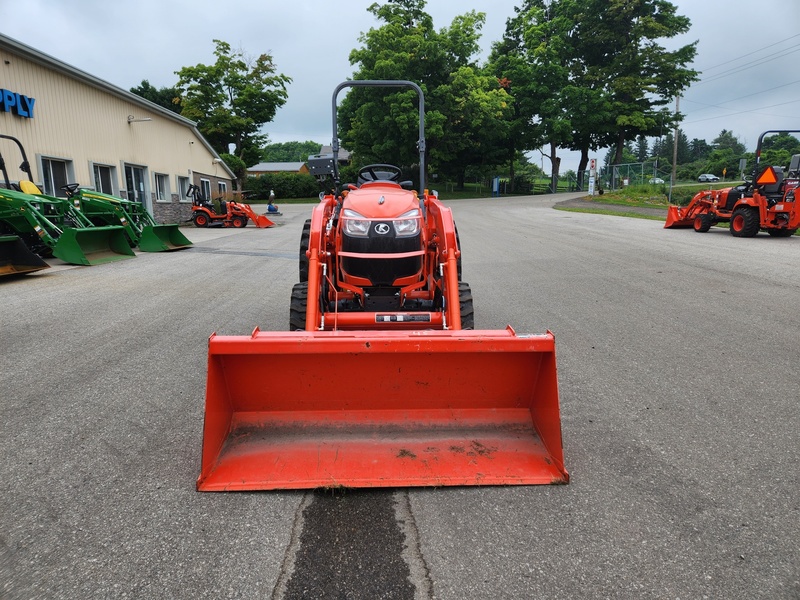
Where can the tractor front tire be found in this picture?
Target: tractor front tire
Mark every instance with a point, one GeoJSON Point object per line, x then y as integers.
{"type": "Point", "coordinates": [465, 302]}
{"type": "Point", "coordinates": [239, 222]}
{"type": "Point", "coordinates": [297, 307]}
{"type": "Point", "coordinates": [305, 235]}
{"type": "Point", "coordinates": [745, 222]}
{"type": "Point", "coordinates": [703, 223]}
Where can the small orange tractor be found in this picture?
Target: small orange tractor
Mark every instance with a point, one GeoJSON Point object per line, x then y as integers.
{"type": "Point", "coordinates": [767, 202]}
{"type": "Point", "coordinates": [229, 214]}
{"type": "Point", "coordinates": [382, 380]}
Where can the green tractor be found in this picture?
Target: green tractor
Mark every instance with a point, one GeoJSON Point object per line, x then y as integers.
{"type": "Point", "coordinates": [52, 226]}
{"type": "Point", "coordinates": [139, 225]}
{"type": "Point", "coordinates": [16, 259]}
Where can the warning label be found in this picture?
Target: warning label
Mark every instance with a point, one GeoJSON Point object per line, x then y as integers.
{"type": "Point", "coordinates": [403, 318]}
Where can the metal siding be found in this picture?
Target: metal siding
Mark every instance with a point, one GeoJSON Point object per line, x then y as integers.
{"type": "Point", "coordinates": [79, 122]}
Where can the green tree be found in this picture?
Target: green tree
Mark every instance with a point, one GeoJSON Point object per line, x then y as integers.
{"type": "Point", "coordinates": [642, 149]}
{"type": "Point", "coordinates": [726, 140]}
{"type": "Point", "coordinates": [698, 149]}
{"type": "Point", "coordinates": [477, 125]}
{"type": "Point", "coordinates": [232, 99]}
{"type": "Point", "coordinates": [466, 111]}
{"type": "Point", "coordinates": [684, 148]}
{"type": "Point", "coordinates": [617, 42]}
{"type": "Point", "coordinates": [532, 61]}
{"type": "Point", "coordinates": [289, 151]}
{"type": "Point", "coordinates": [166, 97]}
{"type": "Point", "coordinates": [592, 71]}
{"type": "Point", "coordinates": [778, 149]}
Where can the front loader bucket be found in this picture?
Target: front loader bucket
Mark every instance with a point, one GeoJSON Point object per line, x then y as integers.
{"type": "Point", "coordinates": [303, 409]}
{"type": "Point", "coordinates": [677, 217]}
{"type": "Point", "coordinates": [162, 238]}
{"type": "Point", "coordinates": [15, 258]}
{"type": "Point", "coordinates": [262, 221]}
{"type": "Point", "coordinates": [92, 245]}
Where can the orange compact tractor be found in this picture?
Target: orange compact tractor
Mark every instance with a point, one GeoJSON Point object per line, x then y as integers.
{"type": "Point", "coordinates": [382, 380]}
{"type": "Point", "coordinates": [229, 214]}
{"type": "Point", "coordinates": [767, 202]}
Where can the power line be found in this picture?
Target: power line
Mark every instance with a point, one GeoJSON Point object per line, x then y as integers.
{"type": "Point", "coordinates": [751, 53]}
{"type": "Point", "coordinates": [758, 93]}
{"type": "Point", "coordinates": [742, 112]}
{"type": "Point", "coordinates": [755, 63]}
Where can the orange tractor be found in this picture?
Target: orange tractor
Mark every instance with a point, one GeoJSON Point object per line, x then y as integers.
{"type": "Point", "coordinates": [767, 202]}
{"type": "Point", "coordinates": [229, 214]}
{"type": "Point", "coordinates": [382, 380]}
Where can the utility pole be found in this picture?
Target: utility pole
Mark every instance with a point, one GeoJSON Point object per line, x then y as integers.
{"type": "Point", "coordinates": [675, 140]}
{"type": "Point", "coordinates": [674, 150]}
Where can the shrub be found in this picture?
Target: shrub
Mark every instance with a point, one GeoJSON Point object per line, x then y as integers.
{"type": "Point", "coordinates": [285, 185]}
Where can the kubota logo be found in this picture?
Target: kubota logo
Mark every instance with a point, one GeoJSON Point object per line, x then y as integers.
{"type": "Point", "coordinates": [381, 228]}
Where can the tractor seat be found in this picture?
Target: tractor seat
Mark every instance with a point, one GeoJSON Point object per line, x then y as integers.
{"type": "Point", "coordinates": [774, 191]}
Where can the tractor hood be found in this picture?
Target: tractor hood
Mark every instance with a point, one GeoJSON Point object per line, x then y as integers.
{"type": "Point", "coordinates": [381, 200]}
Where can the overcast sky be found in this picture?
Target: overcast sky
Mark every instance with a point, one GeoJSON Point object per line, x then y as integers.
{"type": "Point", "coordinates": [748, 51]}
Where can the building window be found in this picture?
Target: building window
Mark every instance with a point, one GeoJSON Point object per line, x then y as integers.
{"type": "Point", "coordinates": [55, 175]}
{"type": "Point", "coordinates": [103, 178]}
{"type": "Point", "coordinates": [136, 185]}
{"type": "Point", "coordinates": [183, 189]}
{"type": "Point", "coordinates": [222, 188]}
{"type": "Point", "coordinates": [205, 185]}
{"type": "Point", "coordinates": [162, 188]}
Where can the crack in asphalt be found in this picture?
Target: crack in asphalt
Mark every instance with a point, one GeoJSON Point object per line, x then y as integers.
{"type": "Point", "coordinates": [354, 544]}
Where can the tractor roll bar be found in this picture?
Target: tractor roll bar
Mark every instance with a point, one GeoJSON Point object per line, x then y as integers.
{"type": "Point", "coordinates": [760, 142]}
{"type": "Point", "coordinates": [381, 83]}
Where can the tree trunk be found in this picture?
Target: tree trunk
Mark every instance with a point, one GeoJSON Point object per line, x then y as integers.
{"type": "Point", "coordinates": [617, 159]}
{"type": "Point", "coordinates": [460, 182]}
{"type": "Point", "coordinates": [582, 166]}
{"type": "Point", "coordinates": [511, 167]}
{"type": "Point", "coordinates": [619, 148]}
{"type": "Point", "coordinates": [555, 163]}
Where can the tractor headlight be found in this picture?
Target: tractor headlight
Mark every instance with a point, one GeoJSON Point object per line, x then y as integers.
{"type": "Point", "coordinates": [407, 224]}
{"type": "Point", "coordinates": [355, 224]}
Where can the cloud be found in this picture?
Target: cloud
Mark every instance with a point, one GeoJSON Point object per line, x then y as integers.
{"type": "Point", "coordinates": [125, 43]}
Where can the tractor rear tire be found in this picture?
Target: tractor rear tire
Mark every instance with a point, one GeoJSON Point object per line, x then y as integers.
{"type": "Point", "coordinates": [200, 219]}
{"type": "Point", "coordinates": [745, 222]}
{"type": "Point", "coordinates": [297, 307]}
{"type": "Point", "coordinates": [304, 237]}
{"type": "Point", "coordinates": [781, 232]}
{"type": "Point", "coordinates": [703, 223]}
{"type": "Point", "coordinates": [465, 301]}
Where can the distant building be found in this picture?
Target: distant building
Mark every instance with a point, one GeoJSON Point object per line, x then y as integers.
{"type": "Point", "coordinates": [77, 128]}
{"type": "Point", "coordinates": [277, 167]}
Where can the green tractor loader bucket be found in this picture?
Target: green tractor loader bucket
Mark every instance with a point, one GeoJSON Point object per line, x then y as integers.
{"type": "Point", "coordinates": [162, 238]}
{"type": "Point", "coordinates": [15, 258]}
{"type": "Point", "coordinates": [92, 245]}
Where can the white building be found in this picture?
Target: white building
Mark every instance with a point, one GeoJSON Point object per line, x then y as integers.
{"type": "Point", "coordinates": [77, 128]}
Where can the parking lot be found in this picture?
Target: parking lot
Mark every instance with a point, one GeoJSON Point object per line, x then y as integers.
{"type": "Point", "coordinates": [677, 361]}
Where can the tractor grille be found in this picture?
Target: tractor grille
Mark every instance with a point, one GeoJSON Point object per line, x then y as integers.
{"type": "Point", "coordinates": [381, 271]}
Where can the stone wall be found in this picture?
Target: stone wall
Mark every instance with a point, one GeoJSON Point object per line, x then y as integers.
{"type": "Point", "coordinates": [172, 212]}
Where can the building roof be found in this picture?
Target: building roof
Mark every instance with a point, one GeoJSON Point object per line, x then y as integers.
{"type": "Point", "coordinates": [50, 62]}
{"type": "Point", "coordinates": [276, 167]}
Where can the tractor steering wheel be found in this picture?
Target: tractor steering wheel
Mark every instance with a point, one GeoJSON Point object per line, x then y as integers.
{"type": "Point", "coordinates": [379, 172]}
{"type": "Point", "coordinates": [70, 188]}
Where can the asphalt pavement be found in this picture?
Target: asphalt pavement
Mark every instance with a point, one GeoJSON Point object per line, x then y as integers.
{"type": "Point", "coordinates": [677, 364]}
